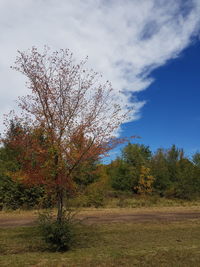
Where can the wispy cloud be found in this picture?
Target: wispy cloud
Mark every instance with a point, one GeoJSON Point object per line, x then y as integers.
{"type": "Point", "coordinates": [124, 39]}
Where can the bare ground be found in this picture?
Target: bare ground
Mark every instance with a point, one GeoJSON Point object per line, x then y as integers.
{"type": "Point", "coordinates": [110, 216]}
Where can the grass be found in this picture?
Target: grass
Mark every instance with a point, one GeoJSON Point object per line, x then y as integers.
{"type": "Point", "coordinates": [125, 200]}
{"type": "Point", "coordinates": [144, 244]}
{"type": "Point", "coordinates": [24, 217]}
{"type": "Point", "coordinates": [150, 201]}
{"type": "Point", "coordinates": [82, 212]}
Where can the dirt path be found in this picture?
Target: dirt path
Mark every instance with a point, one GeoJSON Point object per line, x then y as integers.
{"type": "Point", "coordinates": [109, 216]}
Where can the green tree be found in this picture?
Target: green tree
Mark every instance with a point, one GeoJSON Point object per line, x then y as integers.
{"type": "Point", "coordinates": [159, 169]}
{"type": "Point", "coordinates": [13, 193]}
{"type": "Point", "coordinates": [121, 175]}
{"type": "Point", "coordinates": [187, 185]}
{"type": "Point", "coordinates": [196, 159]}
{"type": "Point", "coordinates": [85, 174]}
{"type": "Point", "coordinates": [136, 155]}
{"type": "Point", "coordinates": [173, 155]}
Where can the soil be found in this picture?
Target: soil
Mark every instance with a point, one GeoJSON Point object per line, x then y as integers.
{"type": "Point", "coordinates": [128, 217]}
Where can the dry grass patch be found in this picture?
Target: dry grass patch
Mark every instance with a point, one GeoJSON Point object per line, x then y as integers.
{"type": "Point", "coordinates": [119, 244]}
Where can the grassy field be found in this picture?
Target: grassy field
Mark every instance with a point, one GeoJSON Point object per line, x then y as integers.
{"type": "Point", "coordinates": [25, 217]}
{"type": "Point", "coordinates": [114, 244]}
{"type": "Point", "coordinates": [136, 201]}
{"type": "Point", "coordinates": [151, 201]}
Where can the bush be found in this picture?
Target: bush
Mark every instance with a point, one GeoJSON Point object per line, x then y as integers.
{"type": "Point", "coordinates": [91, 199]}
{"type": "Point", "coordinates": [95, 195]}
{"type": "Point", "coordinates": [58, 235]}
{"type": "Point", "coordinates": [14, 195]}
{"type": "Point", "coordinates": [95, 199]}
{"type": "Point", "coordinates": [122, 202]}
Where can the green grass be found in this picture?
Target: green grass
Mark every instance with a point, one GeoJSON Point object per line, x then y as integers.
{"type": "Point", "coordinates": [144, 244]}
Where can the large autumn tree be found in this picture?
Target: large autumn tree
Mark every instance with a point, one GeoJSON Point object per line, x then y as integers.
{"type": "Point", "coordinates": [69, 117]}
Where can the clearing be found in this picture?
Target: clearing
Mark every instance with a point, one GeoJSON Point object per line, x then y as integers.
{"type": "Point", "coordinates": [114, 215]}
{"type": "Point", "coordinates": [107, 237]}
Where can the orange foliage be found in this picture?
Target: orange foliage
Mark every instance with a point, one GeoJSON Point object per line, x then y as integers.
{"type": "Point", "coordinates": [145, 183]}
{"type": "Point", "coordinates": [68, 118]}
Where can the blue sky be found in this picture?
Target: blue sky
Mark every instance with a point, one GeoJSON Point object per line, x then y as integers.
{"type": "Point", "coordinates": [172, 112]}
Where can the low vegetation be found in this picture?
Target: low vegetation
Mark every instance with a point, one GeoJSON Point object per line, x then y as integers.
{"type": "Point", "coordinates": [59, 236]}
{"type": "Point", "coordinates": [127, 244]}
{"type": "Point", "coordinates": [137, 178]}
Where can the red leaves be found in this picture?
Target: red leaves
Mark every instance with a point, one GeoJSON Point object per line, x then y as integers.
{"type": "Point", "coordinates": [69, 117]}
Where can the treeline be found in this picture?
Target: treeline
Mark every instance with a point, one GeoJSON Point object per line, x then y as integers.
{"type": "Point", "coordinates": [13, 193]}
{"type": "Point", "coordinates": [136, 172]}
{"type": "Point", "coordinates": [167, 172]}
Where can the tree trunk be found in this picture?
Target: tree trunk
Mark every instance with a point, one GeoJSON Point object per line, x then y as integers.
{"type": "Point", "coordinates": [59, 193]}
{"type": "Point", "coordinates": [60, 205]}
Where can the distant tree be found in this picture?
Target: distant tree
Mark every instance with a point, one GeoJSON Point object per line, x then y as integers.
{"type": "Point", "coordinates": [8, 155]}
{"type": "Point", "coordinates": [145, 183]}
{"type": "Point", "coordinates": [159, 169]}
{"type": "Point", "coordinates": [121, 175]}
{"type": "Point", "coordinates": [175, 175]}
{"type": "Point", "coordinates": [96, 192]}
{"type": "Point", "coordinates": [196, 159]}
{"type": "Point", "coordinates": [136, 155]}
{"type": "Point", "coordinates": [173, 156]}
{"type": "Point", "coordinates": [69, 118]}
{"type": "Point", "coordinates": [186, 185]}
{"type": "Point", "coordinates": [85, 174]}
{"type": "Point", "coordinates": [14, 193]}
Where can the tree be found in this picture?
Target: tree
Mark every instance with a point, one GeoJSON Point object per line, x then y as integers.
{"type": "Point", "coordinates": [160, 170]}
{"type": "Point", "coordinates": [136, 155]}
{"type": "Point", "coordinates": [196, 159]}
{"type": "Point", "coordinates": [187, 185]}
{"type": "Point", "coordinates": [85, 174]}
{"type": "Point", "coordinates": [122, 176]}
{"type": "Point", "coordinates": [145, 183]}
{"type": "Point", "coordinates": [68, 118]}
{"type": "Point", "coordinates": [13, 193]}
{"type": "Point", "coordinates": [173, 155]}
{"type": "Point", "coordinates": [8, 156]}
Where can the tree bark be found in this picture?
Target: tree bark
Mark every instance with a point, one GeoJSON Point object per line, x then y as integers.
{"type": "Point", "coordinates": [60, 205]}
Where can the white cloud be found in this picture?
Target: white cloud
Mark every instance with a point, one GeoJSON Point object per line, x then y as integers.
{"type": "Point", "coordinates": [124, 39]}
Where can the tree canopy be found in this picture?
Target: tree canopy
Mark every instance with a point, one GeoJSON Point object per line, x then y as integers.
{"type": "Point", "coordinates": [68, 118]}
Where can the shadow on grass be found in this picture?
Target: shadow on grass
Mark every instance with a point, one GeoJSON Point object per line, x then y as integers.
{"type": "Point", "coordinates": [29, 239]}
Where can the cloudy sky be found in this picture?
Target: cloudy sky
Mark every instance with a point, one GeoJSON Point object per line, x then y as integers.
{"type": "Point", "coordinates": [128, 41]}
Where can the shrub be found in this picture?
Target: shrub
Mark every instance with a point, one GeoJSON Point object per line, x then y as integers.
{"type": "Point", "coordinates": [96, 199]}
{"type": "Point", "coordinates": [122, 202]}
{"type": "Point", "coordinates": [58, 235]}
{"type": "Point", "coordinates": [95, 195]}
{"type": "Point", "coordinates": [14, 195]}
